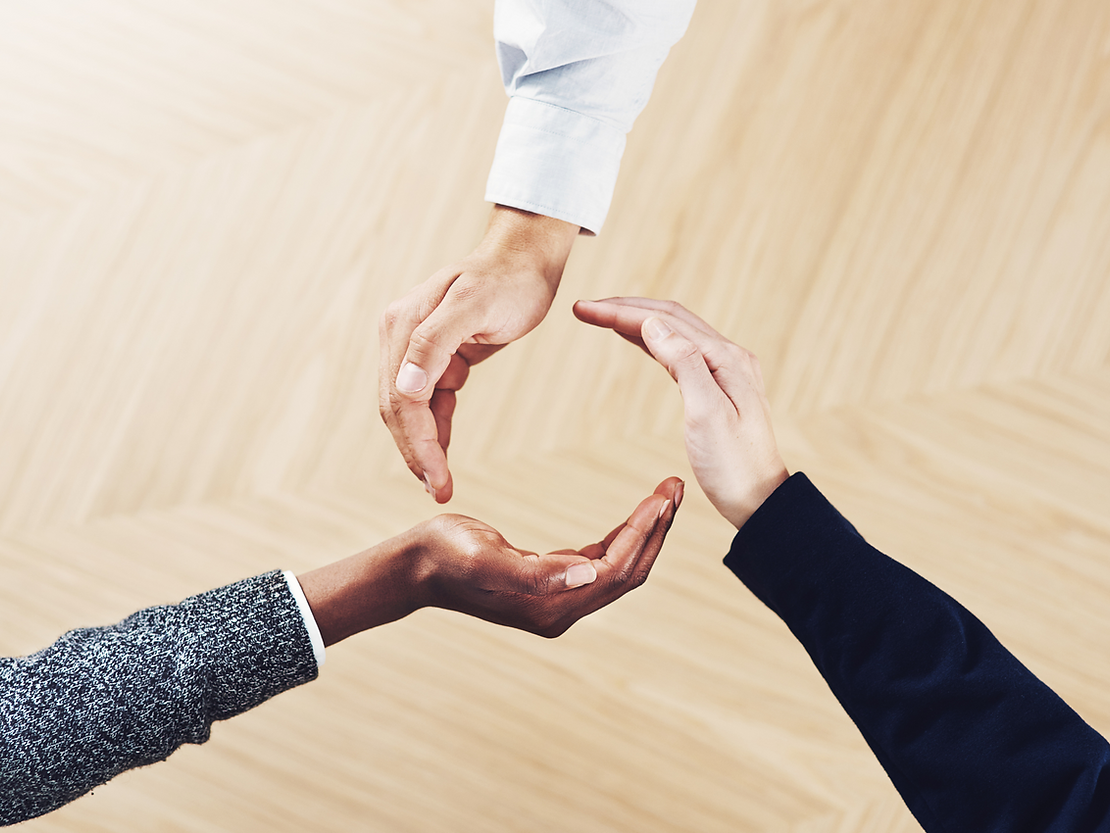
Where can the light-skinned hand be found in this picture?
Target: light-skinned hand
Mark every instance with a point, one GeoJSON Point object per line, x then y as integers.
{"type": "Point", "coordinates": [458, 563]}
{"type": "Point", "coordinates": [729, 438]}
{"type": "Point", "coordinates": [459, 316]}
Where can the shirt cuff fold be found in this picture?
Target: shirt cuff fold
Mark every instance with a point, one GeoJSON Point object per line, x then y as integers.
{"type": "Point", "coordinates": [555, 162]}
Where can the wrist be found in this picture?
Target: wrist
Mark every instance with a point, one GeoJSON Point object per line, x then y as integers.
{"type": "Point", "coordinates": [534, 241]}
{"type": "Point", "coordinates": [739, 512]}
{"type": "Point", "coordinates": [372, 588]}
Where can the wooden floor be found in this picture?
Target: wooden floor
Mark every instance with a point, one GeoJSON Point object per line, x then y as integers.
{"type": "Point", "coordinates": [902, 207]}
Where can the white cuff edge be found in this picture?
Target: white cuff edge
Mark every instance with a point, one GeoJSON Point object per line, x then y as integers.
{"type": "Point", "coordinates": [309, 620]}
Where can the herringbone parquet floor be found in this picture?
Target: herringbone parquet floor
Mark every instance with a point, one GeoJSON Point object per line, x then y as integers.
{"type": "Point", "coordinates": [902, 207]}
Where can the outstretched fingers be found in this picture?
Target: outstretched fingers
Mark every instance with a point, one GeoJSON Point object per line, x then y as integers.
{"type": "Point", "coordinates": [626, 316]}
{"type": "Point", "coordinates": [622, 559]}
{"type": "Point", "coordinates": [630, 549]}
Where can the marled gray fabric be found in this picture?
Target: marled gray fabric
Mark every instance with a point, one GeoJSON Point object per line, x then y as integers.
{"type": "Point", "coordinates": [103, 700]}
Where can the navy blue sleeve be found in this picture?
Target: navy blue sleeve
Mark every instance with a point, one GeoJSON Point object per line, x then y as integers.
{"type": "Point", "coordinates": [972, 740]}
{"type": "Point", "coordinates": [103, 700]}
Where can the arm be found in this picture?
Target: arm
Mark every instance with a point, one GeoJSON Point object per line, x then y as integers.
{"type": "Point", "coordinates": [100, 701]}
{"type": "Point", "coordinates": [103, 700]}
{"type": "Point", "coordinates": [970, 737]}
{"type": "Point", "coordinates": [458, 563]}
{"type": "Point", "coordinates": [578, 74]}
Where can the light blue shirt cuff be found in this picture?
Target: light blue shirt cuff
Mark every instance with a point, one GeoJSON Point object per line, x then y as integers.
{"type": "Point", "coordinates": [555, 162]}
{"type": "Point", "coordinates": [309, 620]}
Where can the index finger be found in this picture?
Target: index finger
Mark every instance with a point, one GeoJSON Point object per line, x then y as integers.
{"type": "Point", "coordinates": [413, 421]}
{"type": "Point", "coordinates": [669, 489]}
{"type": "Point", "coordinates": [627, 315]}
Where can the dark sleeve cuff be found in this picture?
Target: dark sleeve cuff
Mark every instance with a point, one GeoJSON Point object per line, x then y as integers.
{"type": "Point", "coordinates": [253, 645]}
{"type": "Point", "coordinates": [793, 529]}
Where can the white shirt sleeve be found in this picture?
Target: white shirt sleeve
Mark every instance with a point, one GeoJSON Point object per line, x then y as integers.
{"type": "Point", "coordinates": [309, 620]}
{"type": "Point", "coordinates": [577, 72]}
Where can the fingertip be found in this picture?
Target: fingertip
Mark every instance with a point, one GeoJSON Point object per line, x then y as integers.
{"type": "Point", "coordinates": [668, 486]}
{"type": "Point", "coordinates": [437, 480]}
{"type": "Point", "coordinates": [444, 493]}
{"type": "Point", "coordinates": [587, 311]}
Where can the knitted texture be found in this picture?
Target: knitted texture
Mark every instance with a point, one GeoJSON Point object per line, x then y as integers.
{"type": "Point", "coordinates": [103, 700]}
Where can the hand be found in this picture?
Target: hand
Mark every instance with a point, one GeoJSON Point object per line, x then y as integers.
{"type": "Point", "coordinates": [455, 319]}
{"type": "Point", "coordinates": [458, 563]}
{"type": "Point", "coordinates": [476, 571]}
{"type": "Point", "coordinates": [729, 438]}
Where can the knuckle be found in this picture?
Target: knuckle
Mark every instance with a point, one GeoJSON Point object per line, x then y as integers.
{"type": "Point", "coordinates": [673, 307]}
{"type": "Point", "coordinates": [391, 406]}
{"type": "Point", "coordinates": [463, 290]}
{"type": "Point", "coordinates": [687, 351]}
{"type": "Point", "coordinates": [390, 316]}
{"type": "Point", "coordinates": [423, 341]}
{"type": "Point", "coordinates": [624, 575]}
{"type": "Point", "coordinates": [735, 351]}
{"type": "Point", "coordinates": [536, 583]}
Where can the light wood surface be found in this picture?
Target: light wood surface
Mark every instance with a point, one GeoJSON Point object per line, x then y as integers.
{"type": "Point", "coordinates": [903, 208]}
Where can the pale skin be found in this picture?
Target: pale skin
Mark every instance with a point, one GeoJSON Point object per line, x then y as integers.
{"type": "Point", "coordinates": [459, 316]}
{"type": "Point", "coordinates": [458, 563]}
{"type": "Point", "coordinates": [500, 292]}
{"type": "Point", "coordinates": [729, 437]}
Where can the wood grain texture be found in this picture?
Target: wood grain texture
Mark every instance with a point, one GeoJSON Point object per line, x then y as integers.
{"type": "Point", "coordinates": [903, 208]}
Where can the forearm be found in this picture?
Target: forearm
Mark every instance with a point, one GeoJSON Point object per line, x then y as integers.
{"type": "Point", "coordinates": [103, 700]}
{"type": "Point", "coordinates": [531, 243]}
{"type": "Point", "coordinates": [969, 736]}
{"type": "Point", "coordinates": [375, 587]}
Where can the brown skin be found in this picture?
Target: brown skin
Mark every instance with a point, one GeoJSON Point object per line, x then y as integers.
{"type": "Point", "coordinates": [457, 563]}
{"type": "Point", "coordinates": [459, 316]}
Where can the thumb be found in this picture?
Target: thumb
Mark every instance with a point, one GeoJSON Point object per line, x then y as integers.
{"type": "Point", "coordinates": [556, 572]}
{"type": "Point", "coordinates": [431, 346]}
{"type": "Point", "coordinates": [684, 361]}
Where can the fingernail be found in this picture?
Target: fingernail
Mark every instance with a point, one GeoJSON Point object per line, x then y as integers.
{"type": "Point", "coordinates": [429, 488]}
{"type": "Point", "coordinates": [579, 574]}
{"type": "Point", "coordinates": [656, 328]}
{"type": "Point", "coordinates": [679, 492]}
{"type": "Point", "coordinates": [663, 509]}
{"type": "Point", "coordinates": [411, 378]}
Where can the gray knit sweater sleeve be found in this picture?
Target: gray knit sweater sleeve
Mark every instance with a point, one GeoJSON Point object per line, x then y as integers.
{"type": "Point", "coordinates": [103, 700]}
